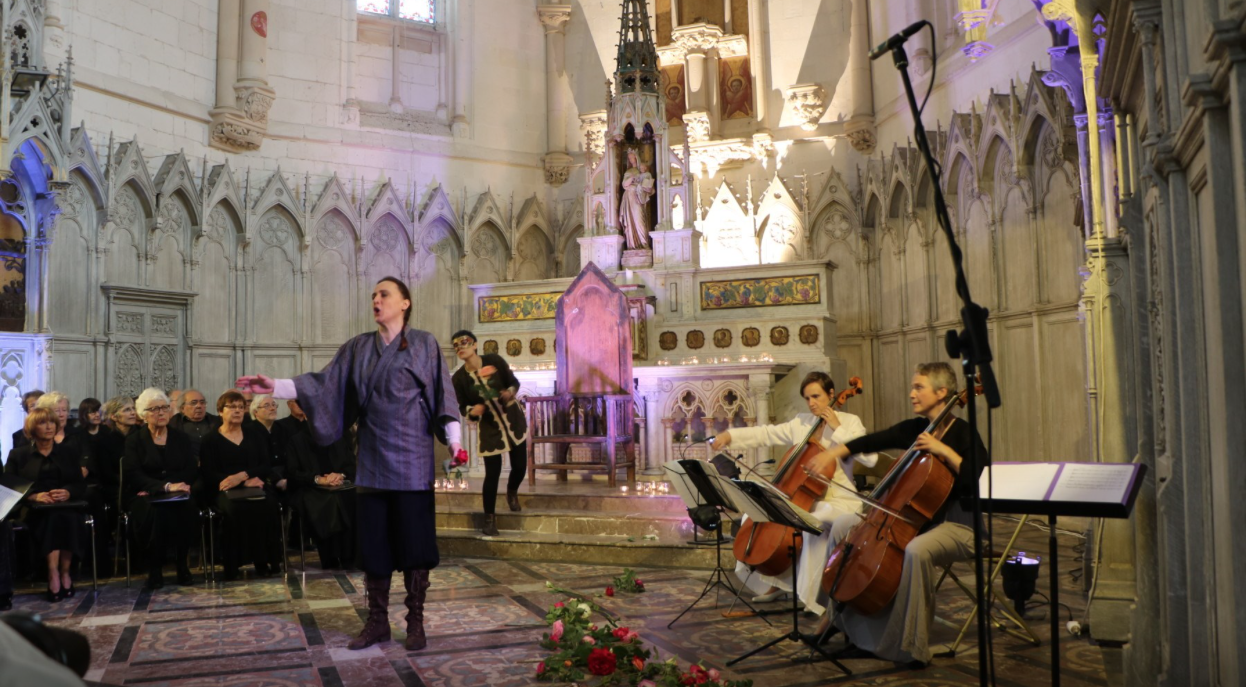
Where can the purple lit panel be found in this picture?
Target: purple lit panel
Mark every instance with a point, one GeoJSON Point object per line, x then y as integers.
{"type": "Point", "coordinates": [373, 6]}
{"type": "Point", "coordinates": [417, 10]}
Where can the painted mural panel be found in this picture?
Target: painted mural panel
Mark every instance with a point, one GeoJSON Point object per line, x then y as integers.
{"type": "Point", "coordinates": [804, 289]}
{"type": "Point", "coordinates": [673, 92]}
{"type": "Point", "coordinates": [513, 308]}
{"type": "Point", "coordinates": [735, 88]}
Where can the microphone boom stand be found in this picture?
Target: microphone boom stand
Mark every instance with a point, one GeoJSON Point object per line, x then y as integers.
{"type": "Point", "coordinates": [971, 345]}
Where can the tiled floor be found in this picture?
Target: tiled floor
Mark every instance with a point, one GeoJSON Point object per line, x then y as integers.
{"type": "Point", "coordinates": [483, 620]}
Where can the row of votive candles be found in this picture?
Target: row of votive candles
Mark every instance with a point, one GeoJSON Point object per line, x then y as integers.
{"type": "Point", "coordinates": [450, 485]}
{"type": "Point", "coordinates": [647, 489]}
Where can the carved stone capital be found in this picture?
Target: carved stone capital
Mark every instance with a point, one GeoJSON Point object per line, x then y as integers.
{"type": "Point", "coordinates": [697, 126]}
{"type": "Point", "coordinates": [808, 102]}
{"type": "Point", "coordinates": [697, 38]}
{"type": "Point", "coordinates": [231, 130]}
{"type": "Point", "coordinates": [255, 99]}
{"type": "Point", "coordinates": [861, 133]}
{"type": "Point", "coordinates": [557, 168]}
{"type": "Point", "coordinates": [713, 155]}
{"type": "Point", "coordinates": [553, 17]}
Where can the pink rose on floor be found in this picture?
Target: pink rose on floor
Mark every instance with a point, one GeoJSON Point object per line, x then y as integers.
{"type": "Point", "coordinates": [588, 640]}
{"type": "Point", "coordinates": [559, 605]}
{"type": "Point", "coordinates": [646, 683]}
{"type": "Point", "coordinates": [556, 633]}
{"type": "Point", "coordinates": [592, 628]}
{"type": "Point", "coordinates": [540, 667]}
{"type": "Point", "coordinates": [632, 636]}
{"type": "Point", "coordinates": [713, 673]}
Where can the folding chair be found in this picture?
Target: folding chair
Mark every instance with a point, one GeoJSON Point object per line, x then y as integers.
{"type": "Point", "coordinates": [1021, 630]}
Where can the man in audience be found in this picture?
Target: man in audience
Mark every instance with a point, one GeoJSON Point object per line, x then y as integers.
{"type": "Point", "coordinates": [175, 398]}
{"type": "Point", "coordinates": [29, 399]}
{"type": "Point", "coordinates": [194, 419]}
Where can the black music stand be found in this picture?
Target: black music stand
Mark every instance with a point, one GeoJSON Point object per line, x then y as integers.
{"type": "Point", "coordinates": [775, 507]}
{"type": "Point", "coordinates": [1092, 490]}
{"type": "Point", "coordinates": [699, 487]}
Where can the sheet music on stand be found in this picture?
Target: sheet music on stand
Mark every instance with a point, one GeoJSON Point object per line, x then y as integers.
{"type": "Point", "coordinates": [698, 483]}
{"type": "Point", "coordinates": [777, 507]}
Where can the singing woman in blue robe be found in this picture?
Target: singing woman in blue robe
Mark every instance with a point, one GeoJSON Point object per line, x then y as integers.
{"type": "Point", "coordinates": [395, 384]}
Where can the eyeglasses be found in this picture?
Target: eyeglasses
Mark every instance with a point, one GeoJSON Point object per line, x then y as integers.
{"type": "Point", "coordinates": [159, 409]}
{"type": "Point", "coordinates": [235, 406]}
{"type": "Point", "coordinates": [267, 406]}
{"type": "Point", "coordinates": [463, 343]}
{"type": "Point", "coordinates": [199, 402]}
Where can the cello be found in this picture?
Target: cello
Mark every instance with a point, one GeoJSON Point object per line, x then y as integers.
{"type": "Point", "coordinates": [864, 570]}
{"type": "Point", "coordinates": [764, 546]}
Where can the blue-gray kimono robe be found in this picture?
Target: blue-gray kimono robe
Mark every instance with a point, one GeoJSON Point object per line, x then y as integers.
{"type": "Point", "coordinates": [401, 399]}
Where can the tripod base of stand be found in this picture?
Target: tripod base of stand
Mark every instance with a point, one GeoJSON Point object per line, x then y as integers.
{"type": "Point", "coordinates": [799, 639]}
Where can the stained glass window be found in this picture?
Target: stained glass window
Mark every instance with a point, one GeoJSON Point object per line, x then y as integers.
{"type": "Point", "coordinates": [422, 11]}
{"type": "Point", "coordinates": [373, 6]}
{"type": "Point", "coordinates": [416, 10]}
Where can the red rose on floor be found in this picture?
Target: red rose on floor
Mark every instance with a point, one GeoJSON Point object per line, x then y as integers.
{"type": "Point", "coordinates": [609, 591]}
{"type": "Point", "coordinates": [640, 585]}
{"type": "Point", "coordinates": [602, 662]}
{"type": "Point", "coordinates": [540, 667]}
{"type": "Point", "coordinates": [620, 633]}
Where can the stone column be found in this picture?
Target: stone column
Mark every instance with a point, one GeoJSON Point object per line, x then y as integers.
{"type": "Point", "coordinates": [461, 64]}
{"type": "Point", "coordinates": [759, 391]}
{"type": "Point", "coordinates": [226, 55]}
{"type": "Point", "coordinates": [395, 77]}
{"type": "Point", "coordinates": [860, 127]}
{"type": "Point", "coordinates": [698, 42]}
{"type": "Point", "coordinates": [243, 98]}
{"type": "Point", "coordinates": [254, 95]}
{"type": "Point", "coordinates": [53, 33]}
{"type": "Point", "coordinates": [653, 428]}
{"type": "Point", "coordinates": [557, 161]}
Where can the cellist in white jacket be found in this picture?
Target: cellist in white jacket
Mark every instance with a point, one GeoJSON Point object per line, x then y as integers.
{"type": "Point", "coordinates": [837, 428]}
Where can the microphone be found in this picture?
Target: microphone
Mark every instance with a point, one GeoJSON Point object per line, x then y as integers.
{"type": "Point", "coordinates": [896, 40]}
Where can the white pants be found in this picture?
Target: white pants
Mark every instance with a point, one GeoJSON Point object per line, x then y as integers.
{"type": "Point", "coordinates": [815, 549]}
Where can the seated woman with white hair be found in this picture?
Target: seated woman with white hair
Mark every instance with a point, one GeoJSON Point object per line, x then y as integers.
{"type": "Point", "coordinates": [159, 468]}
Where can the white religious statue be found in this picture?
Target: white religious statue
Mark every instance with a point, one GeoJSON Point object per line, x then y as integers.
{"type": "Point", "coordinates": [633, 208]}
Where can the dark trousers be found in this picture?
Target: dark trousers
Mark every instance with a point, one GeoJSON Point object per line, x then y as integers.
{"type": "Point", "coordinates": [397, 530]}
{"type": "Point", "coordinates": [493, 471]}
{"type": "Point", "coordinates": [7, 559]}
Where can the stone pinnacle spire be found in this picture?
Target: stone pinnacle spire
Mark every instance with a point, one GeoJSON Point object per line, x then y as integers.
{"type": "Point", "coordinates": [637, 65]}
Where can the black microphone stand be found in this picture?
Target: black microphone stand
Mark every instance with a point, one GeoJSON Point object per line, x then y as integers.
{"type": "Point", "coordinates": [970, 345]}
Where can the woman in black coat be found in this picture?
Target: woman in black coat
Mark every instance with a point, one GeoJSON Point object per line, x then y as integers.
{"type": "Point", "coordinates": [159, 468]}
{"type": "Point", "coordinates": [317, 475]}
{"type": "Point", "coordinates": [55, 523]}
{"type": "Point", "coordinates": [486, 389]}
{"type": "Point", "coordinates": [233, 459]}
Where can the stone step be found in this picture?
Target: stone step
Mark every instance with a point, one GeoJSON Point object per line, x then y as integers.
{"type": "Point", "coordinates": [598, 500]}
{"type": "Point", "coordinates": [580, 548]}
{"type": "Point", "coordinates": [637, 525]}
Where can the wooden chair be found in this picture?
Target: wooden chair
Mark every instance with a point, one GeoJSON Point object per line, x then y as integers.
{"type": "Point", "coordinates": [567, 419]}
{"type": "Point", "coordinates": [592, 405]}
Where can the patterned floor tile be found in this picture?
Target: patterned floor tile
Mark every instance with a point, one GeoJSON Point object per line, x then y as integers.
{"type": "Point", "coordinates": [217, 637]}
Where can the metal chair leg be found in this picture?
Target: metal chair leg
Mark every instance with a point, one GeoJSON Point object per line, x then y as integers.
{"type": "Point", "coordinates": [285, 558]}
{"type": "Point", "coordinates": [302, 547]}
{"type": "Point", "coordinates": [95, 583]}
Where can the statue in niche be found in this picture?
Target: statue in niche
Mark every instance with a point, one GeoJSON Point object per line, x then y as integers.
{"type": "Point", "coordinates": [634, 205]}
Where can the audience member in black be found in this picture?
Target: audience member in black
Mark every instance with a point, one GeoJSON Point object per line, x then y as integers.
{"type": "Point", "coordinates": [85, 442]}
{"type": "Point", "coordinates": [58, 403]}
{"type": "Point", "coordinates": [194, 419]}
{"type": "Point", "coordinates": [55, 526]}
{"type": "Point", "coordinates": [236, 458]}
{"type": "Point", "coordinates": [248, 396]}
{"type": "Point", "coordinates": [6, 563]}
{"type": "Point", "coordinates": [119, 420]}
{"type": "Point", "coordinates": [316, 474]}
{"type": "Point", "coordinates": [264, 421]}
{"type": "Point", "coordinates": [29, 399]}
{"type": "Point", "coordinates": [160, 464]}
{"type": "Point", "coordinates": [294, 422]}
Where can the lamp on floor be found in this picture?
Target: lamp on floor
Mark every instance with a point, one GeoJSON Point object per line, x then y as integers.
{"type": "Point", "coordinates": [1020, 579]}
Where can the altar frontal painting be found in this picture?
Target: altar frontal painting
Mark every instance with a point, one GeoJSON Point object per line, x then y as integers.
{"type": "Point", "coordinates": [513, 308]}
{"type": "Point", "coordinates": [760, 293]}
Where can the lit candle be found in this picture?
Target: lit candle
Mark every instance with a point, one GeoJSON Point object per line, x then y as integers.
{"type": "Point", "coordinates": [624, 490]}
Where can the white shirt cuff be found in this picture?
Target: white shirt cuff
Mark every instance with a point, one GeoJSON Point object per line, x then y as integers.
{"type": "Point", "coordinates": [454, 433]}
{"type": "Point", "coordinates": [283, 390]}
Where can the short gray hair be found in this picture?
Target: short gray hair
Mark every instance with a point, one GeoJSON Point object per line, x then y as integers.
{"type": "Point", "coordinates": [114, 405]}
{"type": "Point", "coordinates": [51, 399]}
{"type": "Point", "coordinates": [151, 396]}
{"type": "Point", "coordinates": [255, 403]}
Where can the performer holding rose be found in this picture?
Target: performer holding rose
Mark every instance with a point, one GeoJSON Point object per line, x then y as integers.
{"type": "Point", "coordinates": [395, 384]}
{"type": "Point", "coordinates": [486, 389]}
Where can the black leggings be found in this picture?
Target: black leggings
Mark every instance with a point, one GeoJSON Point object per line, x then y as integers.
{"type": "Point", "coordinates": [493, 471]}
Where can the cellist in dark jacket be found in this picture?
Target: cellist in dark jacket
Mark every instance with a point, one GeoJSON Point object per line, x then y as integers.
{"type": "Point", "coordinates": [901, 631]}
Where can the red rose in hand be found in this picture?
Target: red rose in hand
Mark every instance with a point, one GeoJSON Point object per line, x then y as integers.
{"type": "Point", "coordinates": [460, 458]}
{"type": "Point", "coordinates": [609, 591]}
{"type": "Point", "coordinates": [602, 662]}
